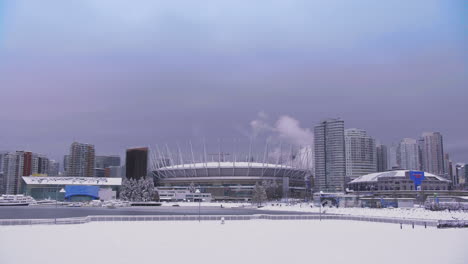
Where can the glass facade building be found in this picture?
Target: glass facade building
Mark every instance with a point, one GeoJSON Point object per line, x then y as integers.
{"type": "Point", "coordinates": [330, 161]}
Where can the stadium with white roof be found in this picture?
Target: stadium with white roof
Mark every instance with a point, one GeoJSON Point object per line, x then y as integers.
{"type": "Point", "coordinates": [285, 170]}
{"type": "Point", "coordinates": [235, 180]}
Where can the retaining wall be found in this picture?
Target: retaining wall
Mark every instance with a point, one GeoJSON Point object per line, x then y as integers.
{"type": "Point", "coordinates": [126, 218]}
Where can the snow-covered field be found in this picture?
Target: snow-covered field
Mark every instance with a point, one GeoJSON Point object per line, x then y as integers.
{"type": "Point", "coordinates": [255, 241]}
{"type": "Point", "coordinates": [415, 213]}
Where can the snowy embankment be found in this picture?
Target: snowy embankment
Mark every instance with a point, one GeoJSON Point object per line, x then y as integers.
{"type": "Point", "coordinates": [256, 241]}
{"type": "Point", "coordinates": [406, 213]}
{"type": "Point", "coordinates": [212, 204]}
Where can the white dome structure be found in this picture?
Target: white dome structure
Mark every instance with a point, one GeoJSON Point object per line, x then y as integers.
{"type": "Point", "coordinates": [397, 180]}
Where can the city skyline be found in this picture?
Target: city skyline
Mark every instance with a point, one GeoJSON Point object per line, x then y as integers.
{"type": "Point", "coordinates": [229, 144]}
{"type": "Point", "coordinates": [120, 75]}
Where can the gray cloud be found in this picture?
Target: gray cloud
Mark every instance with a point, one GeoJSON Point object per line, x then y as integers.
{"type": "Point", "coordinates": [120, 74]}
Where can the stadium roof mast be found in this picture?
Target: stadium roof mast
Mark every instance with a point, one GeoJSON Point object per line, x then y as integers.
{"type": "Point", "coordinates": [204, 151]}
{"type": "Point", "coordinates": [169, 154]}
{"type": "Point", "coordinates": [235, 159]}
{"type": "Point", "coordinates": [278, 160]}
{"type": "Point", "coordinates": [193, 157]}
{"type": "Point", "coordinates": [290, 160]}
{"type": "Point", "coordinates": [219, 157]}
{"type": "Point", "coordinates": [249, 158]}
{"type": "Point", "coordinates": [264, 157]}
{"type": "Point", "coordinates": [181, 160]}
{"type": "Point", "coordinates": [153, 161]}
{"type": "Point", "coordinates": [164, 157]}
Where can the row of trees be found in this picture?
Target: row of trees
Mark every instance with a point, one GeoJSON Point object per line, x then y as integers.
{"type": "Point", "coordinates": [143, 190]}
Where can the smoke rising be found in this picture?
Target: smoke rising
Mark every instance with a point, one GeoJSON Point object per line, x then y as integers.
{"type": "Point", "coordinates": [291, 144]}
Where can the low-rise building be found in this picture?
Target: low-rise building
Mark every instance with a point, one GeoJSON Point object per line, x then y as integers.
{"type": "Point", "coordinates": [71, 188]}
{"type": "Point", "coordinates": [398, 180]}
{"type": "Point", "coordinates": [182, 194]}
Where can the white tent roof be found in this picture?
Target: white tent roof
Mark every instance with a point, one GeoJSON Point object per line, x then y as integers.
{"type": "Point", "coordinates": [225, 164]}
{"type": "Point", "coordinates": [397, 173]}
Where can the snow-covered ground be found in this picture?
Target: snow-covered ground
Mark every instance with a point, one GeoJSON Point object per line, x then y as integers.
{"type": "Point", "coordinates": [415, 213]}
{"type": "Point", "coordinates": [256, 241]}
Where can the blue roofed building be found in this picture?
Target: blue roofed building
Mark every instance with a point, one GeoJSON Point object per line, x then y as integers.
{"type": "Point", "coordinates": [71, 188]}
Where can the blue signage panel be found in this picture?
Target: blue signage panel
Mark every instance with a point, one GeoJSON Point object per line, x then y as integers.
{"type": "Point", "coordinates": [83, 190]}
{"type": "Point", "coordinates": [388, 203]}
{"type": "Point", "coordinates": [417, 177]}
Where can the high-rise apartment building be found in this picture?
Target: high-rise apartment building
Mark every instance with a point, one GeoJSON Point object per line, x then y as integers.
{"type": "Point", "coordinates": [81, 160]}
{"type": "Point", "coordinates": [392, 161]}
{"type": "Point", "coordinates": [136, 163]}
{"type": "Point", "coordinates": [432, 153]}
{"type": "Point", "coordinates": [361, 158]}
{"type": "Point", "coordinates": [13, 167]}
{"type": "Point", "coordinates": [66, 158]}
{"type": "Point", "coordinates": [448, 171]}
{"type": "Point", "coordinates": [382, 158]}
{"type": "Point", "coordinates": [330, 157]}
{"type": "Point", "coordinates": [17, 164]}
{"type": "Point", "coordinates": [462, 175]}
{"type": "Point", "coordinates": [2, 179]}
{"type": "Point", "coordinates": [2, 154]}
{"type": "Point", "coordinates": [54, 168]}
{"type": "Point", "coordinates": [408, 154]}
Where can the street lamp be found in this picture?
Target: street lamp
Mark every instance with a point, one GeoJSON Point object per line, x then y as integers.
{"type": "Point", "coordinates": [320, 202]}
{"type": "Point", "coordinates": [199, 203]}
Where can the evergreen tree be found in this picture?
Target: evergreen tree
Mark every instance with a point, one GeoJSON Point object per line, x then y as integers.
{"type": "Point", "coordinates": [141, 190]}
{"type": "Point", "coordinates": [259, 194]}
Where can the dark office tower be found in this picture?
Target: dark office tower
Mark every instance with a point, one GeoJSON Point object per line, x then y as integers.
{"type": "Point", "coordinates": [136, 163]}
{"type": "Point", "coordinates": [42, 165]}
{"type": "Point", "coordinates": [382, 158]}
{"type": "Point", "coordinates": [330, 159]}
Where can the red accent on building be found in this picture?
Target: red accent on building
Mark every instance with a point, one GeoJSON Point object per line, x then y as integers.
{"type": "Point", "coordinates": [27, 165]}
{"type": "Point", "coordinates": [107, 172]}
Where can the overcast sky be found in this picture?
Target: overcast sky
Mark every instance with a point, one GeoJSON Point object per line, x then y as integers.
{"type": "Point", "coordinates": [128, 73]}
